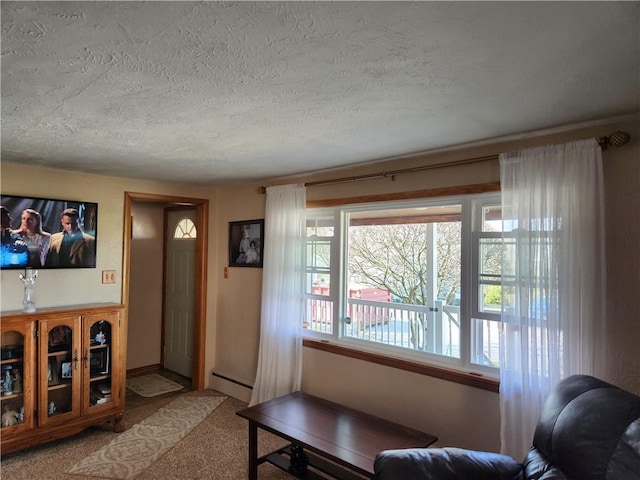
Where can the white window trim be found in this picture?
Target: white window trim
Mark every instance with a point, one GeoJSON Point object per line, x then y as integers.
{"type": "Point", "coordinates": [471, 223]}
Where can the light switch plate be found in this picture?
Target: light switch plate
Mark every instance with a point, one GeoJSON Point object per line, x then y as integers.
{"type": "Point", "coordinates": [108, 276]}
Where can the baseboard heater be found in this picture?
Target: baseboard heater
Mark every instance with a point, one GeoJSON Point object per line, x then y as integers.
{"type": "Point", "coordinates": [228, 379]}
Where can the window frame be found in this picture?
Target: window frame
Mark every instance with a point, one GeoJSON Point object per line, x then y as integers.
{"type": "Point", "coordinates": [322, 213]}
{"type": "Point", "coordinates": [470, 221]}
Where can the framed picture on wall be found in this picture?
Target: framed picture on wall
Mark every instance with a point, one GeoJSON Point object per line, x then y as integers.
{"type": "Point", "coordinates": [246, 246]}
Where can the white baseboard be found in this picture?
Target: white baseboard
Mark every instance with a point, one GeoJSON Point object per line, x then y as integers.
{"type": "Point", "coordinates": [233, 389]}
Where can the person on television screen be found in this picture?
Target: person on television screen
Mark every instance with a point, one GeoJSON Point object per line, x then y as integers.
{"type": "Point", "coordinates": [9, 237]}
{"type": "Point", "coordinates": [37, 239]}
{"type": "Point", "coordinates": [14, 249]}
{"type": "Point", "coordinates": [71, 247]}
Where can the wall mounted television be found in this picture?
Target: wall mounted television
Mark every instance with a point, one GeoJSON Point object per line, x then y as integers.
{"type": "Point", "coordinates": [43, 233]}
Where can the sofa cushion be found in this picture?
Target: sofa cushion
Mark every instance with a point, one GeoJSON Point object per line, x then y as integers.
{"type": "Point", "coordinates": [445, 464]}
{"type": "Point", "coordinates": [586, 430]}
{"type": "Point", "coordinates": [537, 467]}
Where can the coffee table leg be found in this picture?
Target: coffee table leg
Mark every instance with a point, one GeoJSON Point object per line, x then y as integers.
{"type": "Point", "coordinates": [253, 451]}
{"type": "Point", "coordinates": [298, 461]}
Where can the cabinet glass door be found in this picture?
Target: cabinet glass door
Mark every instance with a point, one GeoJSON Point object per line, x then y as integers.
{"type": "Point", "coordinates": [60, 370]}
{"type": "Point", "coordinates": [101, 333]}
{"type": "Point", "coordinates": [16, 377]}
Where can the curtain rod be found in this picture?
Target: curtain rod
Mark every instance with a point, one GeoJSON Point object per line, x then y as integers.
{"type": "Point", "coordinates": [616, 139]}
{"type": "Point", "coordinates": [393, 173]}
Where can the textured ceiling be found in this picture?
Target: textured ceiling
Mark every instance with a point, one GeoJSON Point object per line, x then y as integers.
{"type": "Point", "coordinates": [210, 92]}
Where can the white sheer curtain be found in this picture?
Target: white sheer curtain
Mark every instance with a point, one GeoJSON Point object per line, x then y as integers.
{"type": "Point", "coordinates": [553, 278]}
{"type": "Point", "coordinates": [280, 354]}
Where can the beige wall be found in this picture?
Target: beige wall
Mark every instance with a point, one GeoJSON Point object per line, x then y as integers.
{"type": "Point", "coordinates": [622, 206]}
{"type": "Point", "coordinates": [71, 287]}
{"type": "Point", "coordinates": [64, 287]}
{"type": "Point", "coordinates": [459, 415]}
{"type": "Point", "coordinates": [239, 296]}
{"type": "Point", "coordinates": [145, 286]}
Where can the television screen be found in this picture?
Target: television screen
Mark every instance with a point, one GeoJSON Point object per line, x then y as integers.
{"type": "Point", "coordinates": [45, 233]}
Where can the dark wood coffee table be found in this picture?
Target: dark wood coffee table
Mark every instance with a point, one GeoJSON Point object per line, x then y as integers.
{"type": "Point", "coordinates": [320, 430]}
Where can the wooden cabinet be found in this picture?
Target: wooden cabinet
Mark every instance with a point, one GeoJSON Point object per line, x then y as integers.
{"type": "Point", "coordinates": [62, 371]}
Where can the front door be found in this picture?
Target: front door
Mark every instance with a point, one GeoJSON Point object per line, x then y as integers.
{"type": "Point", "coordinates": [179, 290]}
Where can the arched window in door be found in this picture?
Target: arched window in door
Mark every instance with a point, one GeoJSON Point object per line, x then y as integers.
{"type": "Point", "coordinates": [185, 228]}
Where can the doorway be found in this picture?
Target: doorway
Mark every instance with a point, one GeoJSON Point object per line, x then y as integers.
{"type": "Point", "coordinates": [201, 207]}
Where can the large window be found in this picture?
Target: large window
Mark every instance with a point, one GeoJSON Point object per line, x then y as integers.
{"type": "Point", "coordinates": [419, 280]}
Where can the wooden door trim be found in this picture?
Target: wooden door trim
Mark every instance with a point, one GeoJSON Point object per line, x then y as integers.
{"type": "Point", "coordinates": [200, 310]}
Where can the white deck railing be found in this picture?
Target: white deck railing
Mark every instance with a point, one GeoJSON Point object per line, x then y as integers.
{"type": "Point", "coordinates": [418, 327]}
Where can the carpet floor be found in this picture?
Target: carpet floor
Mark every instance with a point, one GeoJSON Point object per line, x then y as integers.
{"type": "Point", "coordinates": [142, 445]}
{"type": "Point", "coordinates": [215, 449]}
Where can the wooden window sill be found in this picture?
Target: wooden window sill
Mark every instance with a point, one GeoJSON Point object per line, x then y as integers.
{"type": "Point", "coordinates": [464, 378]}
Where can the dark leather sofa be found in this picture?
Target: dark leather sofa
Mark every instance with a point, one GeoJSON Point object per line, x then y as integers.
{"type": "Point", "coordinates": [588, 430]}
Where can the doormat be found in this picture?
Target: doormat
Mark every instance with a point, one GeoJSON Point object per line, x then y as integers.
{"type": "Point", "coordinates": [152, 385]}
{"type": "Point", "coordinates": [135, 450]}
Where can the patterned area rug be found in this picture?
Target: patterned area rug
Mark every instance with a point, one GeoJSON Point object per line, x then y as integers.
{"type": "Point", "coordinates": [152, 385]}
{"type": "Point", "coordinates": [133, 451]}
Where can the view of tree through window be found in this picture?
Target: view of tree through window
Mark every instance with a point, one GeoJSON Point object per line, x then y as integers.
{"type": "Point", "coordinates": [392, 274]}
{"type": "Point", "coordinates": [396, 257]}
{"type": "Point", "coordinates": [407, 257]}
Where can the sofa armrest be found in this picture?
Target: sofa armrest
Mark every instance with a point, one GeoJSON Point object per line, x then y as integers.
{"type": "Point", "coordinates": [445, 464]}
